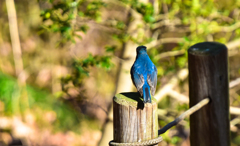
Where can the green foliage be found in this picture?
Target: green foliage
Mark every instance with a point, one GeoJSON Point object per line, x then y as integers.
{"type": "Point", "coordinates": [236, 140]}
{"type": "Point", "coordinates": [39, 103]}
{"type": "Point", "coordinates": [64, 14]}
{"type": "Point", "coordinates": [175, 140]}
{"type": "Point", "coordinates": [69, 17]}
{"type": "Point", "coordinates": [145, 9]}
{"type": "Point", "coordinates": [81, 66]}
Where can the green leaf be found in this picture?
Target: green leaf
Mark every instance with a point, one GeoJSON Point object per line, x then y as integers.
{"type": "Point", "coordinates": [149, 18]}
{"type": "Point", "coordinates": [82, 71]}
{"type": "Point", "coordinates": [84, 28]}
{"type": "Point", "coordinates": [186, 39]}
{"type": "Point", "coordinates": [81, 14]}
{"type": "Point", "coordinates": [65, 28]}
{"type": "Point", "coordinates": [110, 48]}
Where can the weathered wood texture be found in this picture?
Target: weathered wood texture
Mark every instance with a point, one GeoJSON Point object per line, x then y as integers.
{"type": "Point", "coordinates": [208, 77]}
{"type": "Point", "coordinates": [132, 120]}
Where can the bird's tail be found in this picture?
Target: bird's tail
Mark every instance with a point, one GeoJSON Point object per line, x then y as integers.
{"type": "Point", "coordinates": [146, 94]}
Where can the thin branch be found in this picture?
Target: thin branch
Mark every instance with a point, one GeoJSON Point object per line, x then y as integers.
{"type": "Point", "coordinates": [155, 43]}
{"type": "Point", "coordinates": [217, 15]}
{"type": "Point", "coordinates": [107, 25]}
{"type": "Point", "coordinates": [167, 22]}
{"type": "Point", "coordinates": [230, 28]}
{"type": "Point", "coordinates": [174, 81]}
{"type": "Point", "coordinates": [119, 3]}
{"type": "Point", "coordinates": [234, 122]}
{"type": "Point", "coordinates": [233, 128]}
{"type": "Point", "coordinates": [234, 110]}
{"type": "Point", "coordinates": [169, 54]}
{"type": "Point", "coordinates": [180, 97]}
{"type": "Point", "coordinates": [160, 17]}
{"type": "Point", "coordinates": [159, 42]}
{"type": "Point", "coordinates": [234, 83]}
{"type": "Point", "coordinates": [183, 115]}
{"type": "Point", "coordinates": [233, 44]}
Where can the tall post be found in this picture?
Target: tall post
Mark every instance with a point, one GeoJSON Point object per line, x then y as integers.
{"type": "Point", "coordinates": [134, 121]}
{"type": "Point", "coordinates": [208, 77]}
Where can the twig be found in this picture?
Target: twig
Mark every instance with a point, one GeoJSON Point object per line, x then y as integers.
{"type": "Point", "coordinates": [234, 110]}
{"type": "Point", "coordinates": [230, 28]}
{"type": "Point", "coordinates": [159, 42]}
{"type": "Point", "coordinates": [234, 83]}
{"type": "Point", "coordinates": [233, 44]}
{"type": "Point", "coordinates": [181, 75]}
{"type": "Point", "coordinates": [230, 45]}
{"type": "Point", "coordinates": [167, 22]}
{"type": "Point", "coordinates": [161, 17]}
{"type": "Point", "coordinates": [169, 54]}
{"type": "Point", "coordinates": [183, 115]}
{"type": "Point", "coordinates": [235, 121]}
{"type": "Point", "coordinates": [216, 15]}
{"type": "Point", "coordinates": [180, 97]}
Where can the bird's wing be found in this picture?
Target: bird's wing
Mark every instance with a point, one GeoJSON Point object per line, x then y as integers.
{"type": "Point", "coordinates": [137, 79]}
{"type": "Point", "coordinates": [152, 80]}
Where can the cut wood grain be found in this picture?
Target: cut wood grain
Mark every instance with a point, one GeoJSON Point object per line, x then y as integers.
{"type": "Point", "coordinates": [134, 121]}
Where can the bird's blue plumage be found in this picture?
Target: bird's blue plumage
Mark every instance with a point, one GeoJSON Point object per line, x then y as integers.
{"type": "Point", "coordinates": [144, 74]}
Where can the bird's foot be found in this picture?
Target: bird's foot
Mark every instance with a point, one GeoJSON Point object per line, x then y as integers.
{"type": "Point", "coordinates": [147, 101]}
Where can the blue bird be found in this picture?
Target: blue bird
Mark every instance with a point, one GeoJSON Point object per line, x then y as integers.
{"type": "Point", "coordinates": [144, 74]}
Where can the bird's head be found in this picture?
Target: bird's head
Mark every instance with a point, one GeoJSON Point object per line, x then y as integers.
{"type": "Point", "coordinates": [141, 49]}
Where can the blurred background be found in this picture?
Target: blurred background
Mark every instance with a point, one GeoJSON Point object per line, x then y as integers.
{"type": "Point", "coordinates": [62, 61]}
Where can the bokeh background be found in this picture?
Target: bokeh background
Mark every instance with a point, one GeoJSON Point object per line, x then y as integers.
{"type": "Point", "coordinates": [62, 61]}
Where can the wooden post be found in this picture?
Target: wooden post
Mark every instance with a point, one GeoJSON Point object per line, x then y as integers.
{"type": "Point", "coordinates": [132, 120]}
{"type": "Point", "coordinates": [208, 77]}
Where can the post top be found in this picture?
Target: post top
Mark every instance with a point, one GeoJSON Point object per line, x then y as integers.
{"type": "Point", "coordinates": [206, 48]}
{"type": "Point", "coordinates": [133, 99]}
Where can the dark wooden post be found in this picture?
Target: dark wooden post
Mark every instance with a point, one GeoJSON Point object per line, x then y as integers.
{"type": "Point", "coordinates": [208, 77]}
{"type": "Point", "coordinates": [132, 120]}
